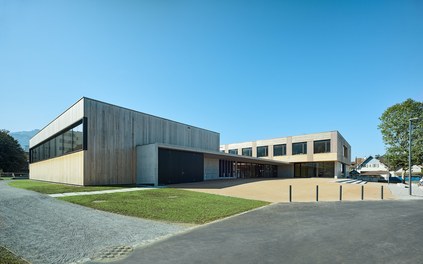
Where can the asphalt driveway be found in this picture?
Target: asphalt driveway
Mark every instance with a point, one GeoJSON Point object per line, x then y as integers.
{"type": "Point", "coordinates": [46, 230]}
{"type": "Point", "coordinates": [324, 232]}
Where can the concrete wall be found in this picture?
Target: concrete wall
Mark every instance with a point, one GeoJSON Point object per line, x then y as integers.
{"type": "Point", "coordinates": [340, 143]}
{"type": "Point", "coordinates": [65, 169]}
{"type": "Point", "coordinates": [337, 141]}
{"type": "Point", "coordinates": [147, 164]}
{"type": "Point", "coordinates": [211, 169]}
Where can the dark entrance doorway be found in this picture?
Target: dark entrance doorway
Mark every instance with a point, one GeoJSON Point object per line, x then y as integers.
{"type": "Point", "coordinates": [314, 169]}
{"type": "Point", "coordinates": [177, 166]}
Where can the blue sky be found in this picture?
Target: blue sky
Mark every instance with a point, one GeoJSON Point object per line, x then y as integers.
{"type": "Point", "coordinates": [247, 69]}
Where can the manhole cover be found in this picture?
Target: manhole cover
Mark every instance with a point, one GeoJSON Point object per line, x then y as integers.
{"type": "Point", "coordinates": [114, 253]}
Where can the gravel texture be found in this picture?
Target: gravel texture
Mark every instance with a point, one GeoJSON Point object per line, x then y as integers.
{"type": "Point", "coordinates": [44, 230]}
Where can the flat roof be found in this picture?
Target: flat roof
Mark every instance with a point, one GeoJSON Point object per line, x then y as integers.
{"type": "Point", "coordinates": [95, 100]}
{"type": "Point", "coordinates": [227, 156]}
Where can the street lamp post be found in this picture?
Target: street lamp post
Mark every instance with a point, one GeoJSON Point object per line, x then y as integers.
{"type": "Point", "coordinates": [410, 131]}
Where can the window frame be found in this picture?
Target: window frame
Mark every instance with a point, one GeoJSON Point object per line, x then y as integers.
{"type": "Point", "coordinates": [266, 151]}
{"type": "Point", "coordinates": [250, 149]}
{"type": "Point", "coordinates": [326, 147]}
{"type": "Point", "coordinates": [283, 150]}
{"type": "Point", "coordinates": [42, 151]}
{"type": "Point", "coordinates": [303, 148]}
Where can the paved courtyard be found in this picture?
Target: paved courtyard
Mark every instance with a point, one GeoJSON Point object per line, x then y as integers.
{"type": "Point", "coordinates": [277, 190]}
{"type": "Point", "coordinates": [46, 230]}
{"type": "Point", "coordinates": [327, 232]}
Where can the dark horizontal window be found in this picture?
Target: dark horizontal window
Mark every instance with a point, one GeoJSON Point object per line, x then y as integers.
{"type": "Point", "coordinates": [299, 148]}
{"type": "Point", "coordinates": [262, 151]}
{"type": "Point", "coordinates": [322, 146]}
{"type": "Point", "coordinates": [233, 151]}
{"type": "Point", "coordinates": [65, 142]}
{"type": "Point", "coordinates": [279, 150]}
{"type": "Point", "coordinates": [247, 152]}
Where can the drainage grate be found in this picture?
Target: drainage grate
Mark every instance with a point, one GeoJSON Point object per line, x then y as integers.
{"type": "Point", "coordinates": [114, 253]}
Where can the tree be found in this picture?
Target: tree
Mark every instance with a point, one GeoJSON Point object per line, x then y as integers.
{"type": "Point", "coordinates": [12, 156]}
{"type": "Point", "coordinates": [395, 131]}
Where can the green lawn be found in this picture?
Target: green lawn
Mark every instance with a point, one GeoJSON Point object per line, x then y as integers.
{"type": "Point", "coordinates": [7, 257]}
{"type": "Point", "coordinates": [49, 188]}
{"type": "Point", "coordinates": [168, 205]}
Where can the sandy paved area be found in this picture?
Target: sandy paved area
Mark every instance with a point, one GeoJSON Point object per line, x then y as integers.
{"type": "Point", "coordinates": [277, 190]}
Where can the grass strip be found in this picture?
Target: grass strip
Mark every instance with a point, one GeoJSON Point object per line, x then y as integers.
{"type": "Point", "coordinates": [171, 205]}
{"type": "Point", "coordinates": [7, 257]}
{"type": "Point", "coordinates": [50, 188]}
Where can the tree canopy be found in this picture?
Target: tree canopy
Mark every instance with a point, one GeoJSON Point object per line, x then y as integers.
{"type": "Point", "coordinates": [12, 156]}
{"type": "Point", "coordinates": [394, 126]}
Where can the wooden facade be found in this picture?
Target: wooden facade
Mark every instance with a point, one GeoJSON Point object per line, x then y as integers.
{"type": "Point", "coordinates": [113, 134]}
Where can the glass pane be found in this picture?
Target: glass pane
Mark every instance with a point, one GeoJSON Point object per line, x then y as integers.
{"type": "Point", "coordinates": [279, 150]}
{"type": "Point", "coordinates": [322, 146]}
{"type": "Point", "coordinates": [233, 151]}
{"type": "Point", "coordinates": [52, 146]}
{"type": "Point", "coordinates": [247, 152]}
{"type": "Point", "coordinates": [59, 145]}
{"type": "Point", "coordinates": [67, 142]}
{"type": "Point", "coordinates": [77, 138]}
{"type": "Point", "coordinates": [262, 151]}
{"type": "Point", "coordinates": [299, 148]}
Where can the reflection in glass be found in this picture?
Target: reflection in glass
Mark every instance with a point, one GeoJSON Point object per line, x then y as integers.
{"type": "Point", "coordinates": [322, 146]}
{"type": "Point", "coordinates": [299, 148]}
{"type": "Point", "coordinates": [63, 143]}
{"type": "Point", "coordinates": [262, 151]}
{"type": "Point", "coordinates": [279, 150]}
{"type": "Point", "coordinates": [247, 152]}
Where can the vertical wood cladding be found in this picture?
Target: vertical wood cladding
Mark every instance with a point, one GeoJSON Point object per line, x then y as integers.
{"type": "Point", "coordinates": [114, 132]}
{"type": "Point", "coordinates": [180, 166]}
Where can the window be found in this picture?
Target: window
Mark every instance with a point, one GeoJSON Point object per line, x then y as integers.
{"type": "Point", "coordinates": [262, 151]}
{"type": "Point", "coordinates": [345, 151]}
{"type": "Point", "coordinates": [299, 148]}
{"type": "Point", "coordinates": [322, 146]}
{"type": "Point", "coordinates": [279, 150]}
{"type": "Point", "coordinates": [67, 141]}
{"type": "Point", "coordinates": [233, 151]}
{"type": "Point", "coordinates": [247, 152]}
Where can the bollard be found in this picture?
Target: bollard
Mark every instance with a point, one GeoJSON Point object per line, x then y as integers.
{"type": "Point", "coordinates": [362, 192]}
{"type": "Point", "coordinates": [290, 193]}
{"type": "Point", "coordinates": [340, 192]}
{"type": "Point", "coordinates": [381, 192]}
{"type": "Point", "coordinates": [317, 193]}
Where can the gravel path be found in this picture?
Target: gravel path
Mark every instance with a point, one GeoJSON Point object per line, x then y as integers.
{"type": "Point", "coordinates": [46, 230]}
